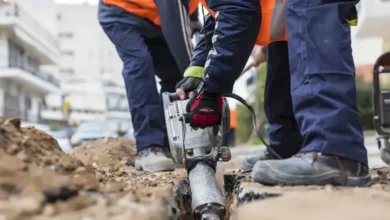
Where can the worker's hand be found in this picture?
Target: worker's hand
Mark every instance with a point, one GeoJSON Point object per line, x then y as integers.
{"type": "Point", "coordinates": [192, 78]}
{"type": "Point", "coordinates": [205, 109]}
{"type": "Point", "coordinates": [195, 26]}
{"type": "Point", "coordinates": [259, 57]}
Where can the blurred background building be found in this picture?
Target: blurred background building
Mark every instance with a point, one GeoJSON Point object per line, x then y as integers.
{"type": "Point", "coordinates": [29, 52]}
{"type": "Point", "coordinates": [50, 49]}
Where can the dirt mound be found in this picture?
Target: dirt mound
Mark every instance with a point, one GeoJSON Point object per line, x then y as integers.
{"type": "Point", "coordinates": [114, 158]}
{"type": "Point", "coordinates": [107, 152]}
{"type": "Point", "coordinates": [95, 181]}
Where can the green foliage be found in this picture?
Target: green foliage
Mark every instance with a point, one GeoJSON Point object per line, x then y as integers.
{"type": "Point", "coordinates": [54, 126]}
{"type": "Point", "coordinates": [244, 124]}
{"type": "Point", "coordinates": [364, 102]}
{"type": "Point", "coordinates": [121, 133]}
{"type": "Point", "coordinates": [244, 119]}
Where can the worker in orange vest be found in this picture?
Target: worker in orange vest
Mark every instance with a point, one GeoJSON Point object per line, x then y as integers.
{"type": "Point", "coordinates": [152, 37]}
{"type": "Point", "coordinates": [320, 120]}
{"type": "Point", "coordinates": [229, 139]}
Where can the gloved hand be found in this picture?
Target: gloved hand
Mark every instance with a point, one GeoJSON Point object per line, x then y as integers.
{"type": "Point", "coordinates": [205, 109]}
{"type": "Point", "coordinates": [193, 75]}
{"type": "Point", "coordinates": [195, 26]}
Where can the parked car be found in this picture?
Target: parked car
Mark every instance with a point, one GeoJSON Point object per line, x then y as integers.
{"type": "Point", "coordinates": [62, 139]}
{"type": "Point", "coordinates": [90, 131]}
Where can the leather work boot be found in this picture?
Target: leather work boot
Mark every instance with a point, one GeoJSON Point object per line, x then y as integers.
{"type": "Point", "coordinates": [248, 162]}
{"type": "Point", "coordinates": [153, 159]}
{"type": "Point", "coordinates": [312, 168]}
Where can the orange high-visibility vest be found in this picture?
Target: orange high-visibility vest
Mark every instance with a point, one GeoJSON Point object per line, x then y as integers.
{"type": "Point", "coordinates": [233, 118]}
{"type": "Point", "coordinates": [146, 8]}
{"type": "Point", "coordinates": [273, 21]}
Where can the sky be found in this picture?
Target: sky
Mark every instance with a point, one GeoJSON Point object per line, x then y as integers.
{"type": "Point", "coordinates": [77, 1]}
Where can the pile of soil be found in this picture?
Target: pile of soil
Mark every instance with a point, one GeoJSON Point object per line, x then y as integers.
{"type": "Point", "coordinates": [95, 181]}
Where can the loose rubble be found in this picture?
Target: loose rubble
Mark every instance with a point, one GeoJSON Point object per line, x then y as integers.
{"type": "Point", "coordinates": [97, 181]}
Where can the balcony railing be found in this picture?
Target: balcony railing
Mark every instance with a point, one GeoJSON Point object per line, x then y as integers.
{"type": "Point", "coordinates": [24, 115]}
{"type": "Point", "coordinates": [14, 10]}
{"type": "Point", "coordinates": [35, 71]}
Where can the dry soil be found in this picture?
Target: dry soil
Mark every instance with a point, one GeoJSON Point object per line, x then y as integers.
{"type": "Point", "coordinates": [97, 181]}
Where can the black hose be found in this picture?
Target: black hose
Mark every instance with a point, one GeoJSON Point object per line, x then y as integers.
{"type": "Point", "coordinates": [238, 98]}
{"type": "Point", "coordinates": [254, 121]}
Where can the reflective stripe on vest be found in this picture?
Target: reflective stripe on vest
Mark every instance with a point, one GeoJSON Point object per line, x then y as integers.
{"type": "Point", "coordinates": [273, 23]}
{"type": "Point", "coordinates": [146, 8]}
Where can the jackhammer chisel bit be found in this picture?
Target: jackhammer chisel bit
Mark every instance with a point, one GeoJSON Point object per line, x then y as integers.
{"type": "Point", "coordinates": [199, 151]}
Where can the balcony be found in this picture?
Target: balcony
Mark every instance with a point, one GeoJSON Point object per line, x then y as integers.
{"type": "Point", "coordinates": [17, 21]}
{"type": "Point", "coordinates": [374, 19]}
{"type": "Point", "coordinates": [30, 76]}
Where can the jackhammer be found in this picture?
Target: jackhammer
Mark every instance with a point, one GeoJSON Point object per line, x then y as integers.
{"type": "Point", "coordinates": [199, 150]}
{"type": "Point", "coordinates": [382, 106]}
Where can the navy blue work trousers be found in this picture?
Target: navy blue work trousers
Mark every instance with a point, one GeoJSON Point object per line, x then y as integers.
{"type": "Point", "coordinates": [144, 58]}
{"type": "Point", "coordinates": [310, 94]}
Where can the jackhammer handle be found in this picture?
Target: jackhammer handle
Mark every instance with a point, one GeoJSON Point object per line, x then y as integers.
{"type": "Point", "coordinates": [173, 96]}
{"type": "Point", "coordinates": [187, 118]}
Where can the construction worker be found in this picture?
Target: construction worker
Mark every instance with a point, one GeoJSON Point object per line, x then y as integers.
{"type": "Point", "coordinates": [230, 138]}
{"type": "Point", "coordinates": [322, 85]}
{"type": "Point", "coordinates": [152, 38]}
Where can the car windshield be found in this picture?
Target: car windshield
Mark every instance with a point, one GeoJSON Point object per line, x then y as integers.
{"type": "Point", "coordinates": [93, 127]}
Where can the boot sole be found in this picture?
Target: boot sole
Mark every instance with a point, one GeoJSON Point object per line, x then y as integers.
{"type": "Point", "coordinates": [164, 166]}
{"type": "Point", "coordinates": [332, 178]}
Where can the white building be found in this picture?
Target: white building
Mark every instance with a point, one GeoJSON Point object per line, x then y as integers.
{"type": "Point", "coordinates": [86, 51]}
{"type": "Point", "coordinates": [117, 108]}
{"type": "Point", "coordinates": [92, 100]}
{"type": "Point", "coordinates": [90, 70]}
{"type": "Point", "coordinates": [28, 54]}
{"type": "Point", "coordinates": [372, 35]}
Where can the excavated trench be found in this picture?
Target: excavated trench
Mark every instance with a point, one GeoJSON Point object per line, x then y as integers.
{"type": "Point", "coordinates": [234, 195]}
{"type": "Point", "coordinates": [97, 181]}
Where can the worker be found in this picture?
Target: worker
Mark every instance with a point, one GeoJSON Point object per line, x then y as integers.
{"type": "Point", "coordinates": [229, 139]}
{"type": "Point", "coordinates": [323, 93]}
{"type": "Point", "coordinates": [152, 38]}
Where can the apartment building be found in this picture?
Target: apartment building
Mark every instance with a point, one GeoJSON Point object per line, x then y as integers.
{"type": "Point", "coordinates": [90, 70]}
{"type": "Point", "coordinates": [28, 55]}
{"type": "Point", "coordinates": [86, 51]}
{"type": "Point", "coordinates": [372, 35]}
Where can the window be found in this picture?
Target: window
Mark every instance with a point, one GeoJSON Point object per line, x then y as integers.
{"type": "Point", "coordinates": [67, 71]}
{"type": "Point", "coordinates": [67, 53]}
{"type": "Point", "coordinates": [18, 59]}
{"type": "Point", "coordinates": [65, 35]}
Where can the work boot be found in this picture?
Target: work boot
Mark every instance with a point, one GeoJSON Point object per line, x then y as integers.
{"type": "Point", "coordinates": [248, 162]}
{"type": "Point", "coordinates": [153, 159]}
{"type": "Point", "coordinates": [312, 168]}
